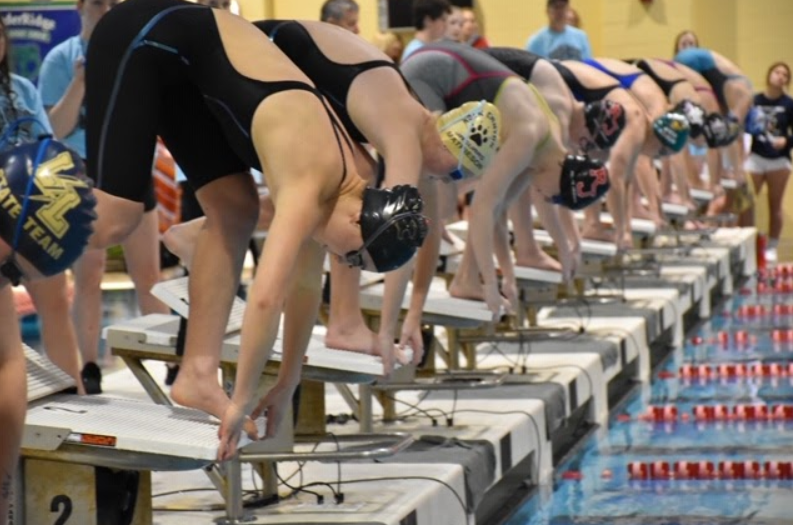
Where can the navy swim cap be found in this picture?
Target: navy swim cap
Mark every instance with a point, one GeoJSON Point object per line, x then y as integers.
{"type": "Point", "coordinates": [392, 228]}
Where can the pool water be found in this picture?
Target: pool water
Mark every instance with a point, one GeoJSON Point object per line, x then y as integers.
{"type": "Point", "coordinates": [593, 487]}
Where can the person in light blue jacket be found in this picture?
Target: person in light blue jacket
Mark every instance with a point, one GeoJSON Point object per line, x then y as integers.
{"type": "Point", "coordinates": [559, 40]}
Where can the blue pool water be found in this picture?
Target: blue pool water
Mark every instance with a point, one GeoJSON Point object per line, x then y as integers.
{"type": "Point", "coordinates": [593, 486]}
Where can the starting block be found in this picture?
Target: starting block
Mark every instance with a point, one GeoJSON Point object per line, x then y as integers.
{"type": "Point", "coordinates": [701, 196]}
{"type": "Point", "coordinates": [89, 459]}
{"type": "Point", "coordinates": [154, 337]}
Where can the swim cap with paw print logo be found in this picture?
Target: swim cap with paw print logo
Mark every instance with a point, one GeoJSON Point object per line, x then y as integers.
{"type": "Point", "coordinates": [471, 133]}
{"type": "Point", "coordinates": [46, 204]}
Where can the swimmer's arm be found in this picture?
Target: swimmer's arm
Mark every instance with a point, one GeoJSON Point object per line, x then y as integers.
{"type": "Point", "coordinates": [300, 311]}
{"type": "Point", "coordinates": [502, 250]}
{"type": "Point", "coordinates": [292, 226]}
{"type": "Point", "coordinates": [570, 226]}
{"type": "Point", "coordinates": [551, 221]}
{"type": "Point", "coordinates": [427, 258]}
{"type": "Point", "coordinates": [13, 394]}
{"type": "Point", "coordinates": [423, 270]}
{"type": "Point", "coordinates": [512, 160]}
{"type": "Point", "coordinates": [622, 163]}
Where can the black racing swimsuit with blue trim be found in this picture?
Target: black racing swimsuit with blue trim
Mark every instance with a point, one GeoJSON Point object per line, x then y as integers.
{"type": "Point", "coordinates": [159, 68]}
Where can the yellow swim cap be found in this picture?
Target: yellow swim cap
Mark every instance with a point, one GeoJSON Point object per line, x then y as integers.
{"type": "Point", "coordinates": [471, 133]}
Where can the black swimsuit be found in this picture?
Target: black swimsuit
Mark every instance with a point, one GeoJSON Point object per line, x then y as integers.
{"type": "Point", "coordinates": [331, 78]}
{"type": "Point", "coordinates": [520, 61]}
{"type": "Point", "coordinates": [581, 92]}
{"type": "Point", "coordinates": [158, 67]}
{"type": "Point", "coordinates": [666, 85]}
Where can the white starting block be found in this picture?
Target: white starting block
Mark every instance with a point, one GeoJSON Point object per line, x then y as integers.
{"type": "Point", "coordinates": [68, 436]}
{"type": "Point", "coordinates": [319, 360]}
{"type": "Point", "coordinates": [527, 278]}
{"type": "Point", "coordinates": [729, 184]}
{"type": "Point", "coordinates": [174, 293]}
{"type": "Point", "coordinates": [590, 249]}
{"type": "Point", "coordinates": [745, 242]}
{"type": "Point", "coordinates": [440, 309]}
{"type": "Point", "coordinates": [154, 336]}
{"type": "Point", "coordinates": [699, 195]}
{"type": "Point", "coordinates": [675, 211]}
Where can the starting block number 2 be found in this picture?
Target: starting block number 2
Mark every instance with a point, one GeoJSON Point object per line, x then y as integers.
{"type": "Point", "coordinates": [55, 493]}
{"type": "Point", "coordinates": [67, 497]}
{"type": "Point", "coordinates": [62, 507]}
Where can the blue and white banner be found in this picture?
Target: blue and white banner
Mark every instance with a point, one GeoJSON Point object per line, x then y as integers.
{"type": "Point", "coordinates": [35, 28]}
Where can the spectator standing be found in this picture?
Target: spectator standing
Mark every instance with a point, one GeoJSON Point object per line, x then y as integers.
{"type": "Point", "coordinates": [684, 40]}
{"type": "Point", "coordinates": [559, 40]}
{"type": "Point", "coordinates": [342, 13]}
{"type": "Point", "coordinates": [769, 160]}
{"type": "Point", "coordinates": [429, 18]}
{"type": "Point", "coordinates": [454, 25]}
{"type": "Point", "coordinates": [471, 30]}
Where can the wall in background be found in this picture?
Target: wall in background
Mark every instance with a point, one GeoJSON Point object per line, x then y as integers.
{"type": "Point", "coordinates": [753, 33]}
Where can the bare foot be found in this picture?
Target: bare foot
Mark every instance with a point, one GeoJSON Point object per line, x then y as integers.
{"type": "Point", "coordinates": [624, 243]}
{"type": "Point", "coordinates": [540, 261]}
{"type": "Point", "coordinates": [355, 339]}
{"type": "Point", "coordinates": [694, 225]}
{"type": "Point", "coordinates": [640, 212]}
{"type": "Point", "coordinates": [597, 233]}
{"type": "Point", "coordinates": [673, 198]}
{"type": "Point", "coordinates": [202, 393]}
{"type": "Point", "coordinates": [205, 394]}
{"type": "Point", "coordinates": [717, 206]}
{"type": "Point", "coordinates": [465, 290]}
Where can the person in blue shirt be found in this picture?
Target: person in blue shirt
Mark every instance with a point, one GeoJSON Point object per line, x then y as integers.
{"type": "Point", "coordinates": [429, 17]}
{"type": "Point", "coordinates": [62, 89]}
{"type": "Point", "coordinates": [559, 40]}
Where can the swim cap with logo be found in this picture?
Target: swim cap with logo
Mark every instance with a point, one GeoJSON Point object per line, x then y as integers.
{"type": "Point", "coordinates": [392, 228]}
{"type": "Point", "coordinates": [471, 133]}
{"type": "Point", "coordinates": [672, 131]}
{"type": "Point", "coordinates": [46, 205]}
{"type": "Point", "coordinates": [605, 121]}
{"type": "Point", "coordinates": [583, 180]}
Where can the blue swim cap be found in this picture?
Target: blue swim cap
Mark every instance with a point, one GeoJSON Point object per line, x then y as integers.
{"type": "Point", "coordinates": [46, 204]}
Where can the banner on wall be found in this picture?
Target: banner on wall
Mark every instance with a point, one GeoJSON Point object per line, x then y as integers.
{"type": "Point", "coordinates": [35, 28]}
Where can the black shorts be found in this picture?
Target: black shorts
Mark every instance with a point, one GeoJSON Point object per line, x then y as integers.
{"type": "Point", "coordinates": [134, 94]}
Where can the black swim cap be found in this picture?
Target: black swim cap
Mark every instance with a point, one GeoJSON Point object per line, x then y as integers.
{"type": "Point", "coordinates": [392, 228]}
{"type": "Point", "coordinates": [582, 181]}
{"type": "Point", "coordinates": [605, 121]}
{"type": "Point", "coordinates": [46, 205]}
